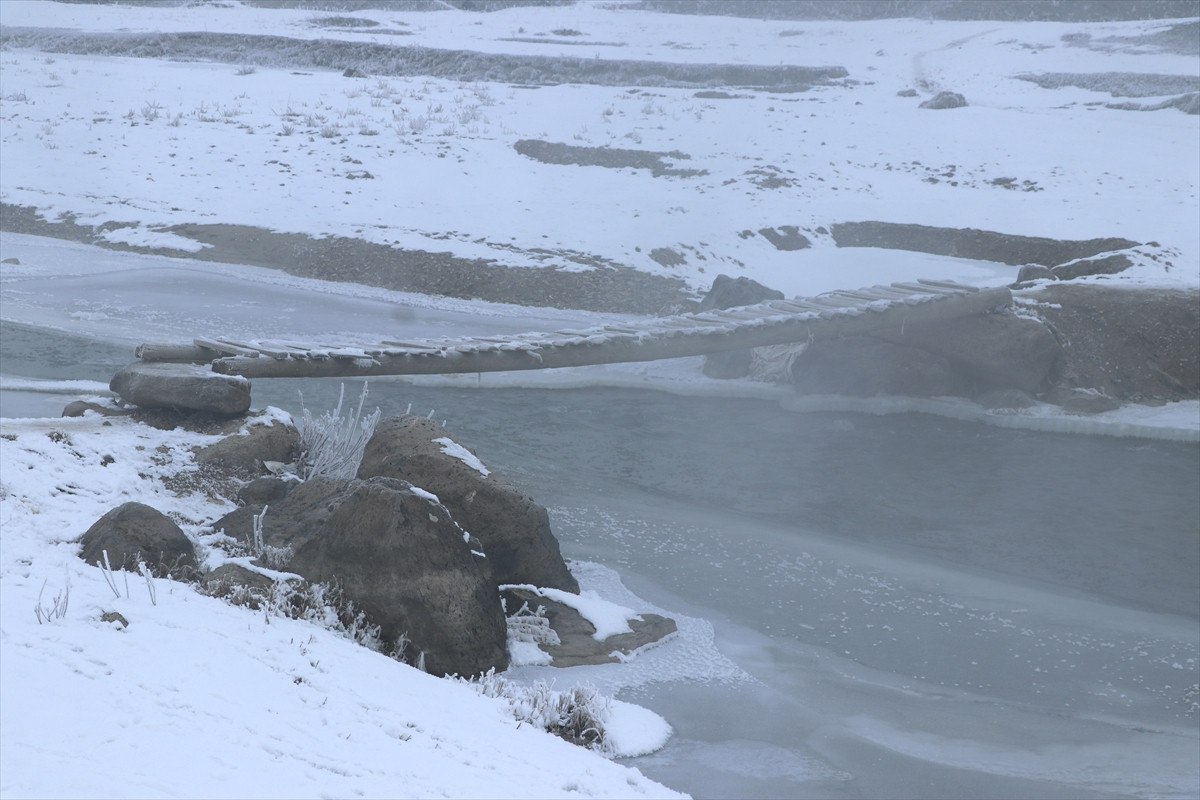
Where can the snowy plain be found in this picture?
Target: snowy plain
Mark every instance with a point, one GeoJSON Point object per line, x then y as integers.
{"type": "Point", "coordinates": [144, 144]}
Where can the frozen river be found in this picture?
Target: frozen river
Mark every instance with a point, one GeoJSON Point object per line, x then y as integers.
{"type": "Point", "coordinates": [899, 606]}
{"type": "Point", "coordinates": [929, 608]}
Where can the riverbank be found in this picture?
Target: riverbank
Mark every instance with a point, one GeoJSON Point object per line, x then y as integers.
{"type": "Point", "coordinates": [347, 720]}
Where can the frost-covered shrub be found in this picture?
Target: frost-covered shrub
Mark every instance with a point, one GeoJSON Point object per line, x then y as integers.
{"type": "Point", "coordinates": [332, 445]}
{"type": "Point", "coordinates": [531, 626]}
{"type": "Point", "coordinates": [577, 715]}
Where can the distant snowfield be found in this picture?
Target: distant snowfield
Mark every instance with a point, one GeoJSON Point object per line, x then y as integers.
{"type": "Point", "coordinates": [427, 163]}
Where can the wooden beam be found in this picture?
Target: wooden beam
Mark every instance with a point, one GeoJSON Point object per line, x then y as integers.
{"type": "Point", "coordinates": [682, 341]}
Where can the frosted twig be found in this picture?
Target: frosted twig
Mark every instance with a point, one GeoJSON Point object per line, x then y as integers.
{"type": "Point", "coordinates": [106, 571]}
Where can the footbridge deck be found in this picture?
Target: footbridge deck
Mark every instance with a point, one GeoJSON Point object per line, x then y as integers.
{"type": "Point", "coordinates": [837, 313]}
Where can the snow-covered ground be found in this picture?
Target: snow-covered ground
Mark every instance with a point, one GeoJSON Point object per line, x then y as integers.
{"type": "Point", "coordinates": [428, 163]}
{"type": "Point", "coordinates": [138, 145]}
{"type": "Point", "coordinates": [198, 698]}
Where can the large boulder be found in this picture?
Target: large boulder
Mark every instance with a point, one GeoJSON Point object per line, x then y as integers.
{"type": "Point", "coordinates": [727, 292]}
{"type": "Point", "coordinates": [135, 532]}
{"type": "Point", "coordinates": [943, 100]}
{"type": "Point", "coordinates": [514, 530]}
{"type": "Point", "coordinates": [291, 519]}
{"type": "Point", "coordinates": [577, 644]}
{"type": "Point", "coordinates": [989, 350]}
{"type": "Point", "coordinates": [864, 366]}
{"type": "Point", "coordinates": [242, 454]}
{"type": "Point", "coordinates": [1134, 345]}
{"type": "Point", "coordinates": [399, 556]}
{"type": "Point", "coordinates": [1100, 265]}
{"type": "Point", "coordinates": [185, 387]}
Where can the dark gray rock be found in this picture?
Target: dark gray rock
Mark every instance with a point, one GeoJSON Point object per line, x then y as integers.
{"type": "Point", "coordinates": [135, 532]}
{"type": "Point", "coordinates": [115, 618]}
{"type": "Point", "coordinates": [943, 100]}
{"type": "Point", "coordinates": [1106, 265]}
{"type": "Point", "coordinates": [185, 387]}
{"type": "Point", "coordinates": [730, 364]}
{"type": "Point", "coordinates": [290, 521]}
{"type": "Point", "coordinates": [1083, 401]}
{"type": "Point", "coordinates": [727, 292]}
{"type": "Point", "coordinates": [906, 93]}
{"type": "Point", "coordinates": [972, 243]}
{"type": "Point", "coordinates": [231, 575]}
{"type": "Point", "coordinates": [403, 561]}
{"type": "Point", "coordinates": [785, 238]}
{"type": "Point", "coordinates": [352, 72]}
{"type": "Point", "coordinates": [1034, 272]}
{"type": "Point", "coordinates": [242, 454]}
{"type": "Point", "coordinates": [991, 350]}
{"type": "Point", "coordinates": [1136, 345]}
{"type": "Point", "coordinates": [577, 642]}
{"type": "Point", "coordinates": [261, 491]}
{"type": "Point", "coordinates": [515, 531]}
{"type": "Point", "coordinates": [865, 366]}
{"type": "Point", "coordinates": [78, 408]}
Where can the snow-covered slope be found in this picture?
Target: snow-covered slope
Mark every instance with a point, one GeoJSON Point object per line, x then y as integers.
{"type": "Point", "coordinates": [198, 698]}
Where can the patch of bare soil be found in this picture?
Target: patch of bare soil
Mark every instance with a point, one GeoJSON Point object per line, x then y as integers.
{"type": "Point", "coordinates": [605, 288]}
{"type": "Point", "coordinates": [1183, 39]}
{"type": "Point", "coordinates": [609, 157]}
{"type": "Point", "coordinates": [389, 59]}
{"type": "Point", "coordinates": [971, 243]}
{"type": "Point", "coordinates": [1130, 84]}
{"type": "Point", "coordinates": [1136, 345]}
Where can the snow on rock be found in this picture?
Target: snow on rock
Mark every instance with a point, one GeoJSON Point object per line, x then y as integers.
{"type": "Point", "coordinates": [144, 237]}
{"type": "Point", "coordinates": [196, 697]}
{"type": "Point", "coordinates": [607, 617]}
{"type": "Point", "coordinates": [456, 450]}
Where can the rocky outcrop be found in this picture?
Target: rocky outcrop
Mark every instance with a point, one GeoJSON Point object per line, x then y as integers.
{"type": "Point", "coordinates": [785, 238]}
{"type": "Point", "coordinates": [515, 531]}
{"type": "Point", "coordinates": [186, 387]}
{"type": "Point", "coordinates": [865, 366]}
{"type": "Point", "coordinates": [577, 644]}
{"type": "Point", "coordinates": [1132, 345]}
{"type": "Point", "coordinates": [989, 350]}
{"type": "Point", "coordinates": [401, 559]}
{"type": "Point", "coordinates": [79, 408]}
{"type": "Point", "coordinates": [135, 532]}
{"type": "Point", "coordinates": [943, 100]}
{"type": "Point", "coordinates": [292, 519]}
{"type": "Point", "coordinates": [242, 454]}
{"type": "Point", "coordinates": [727, 292]}
{"type": "Point", "coordinates": [972, 243]}
{"type": "Point", "coordinates": [1104, 265]}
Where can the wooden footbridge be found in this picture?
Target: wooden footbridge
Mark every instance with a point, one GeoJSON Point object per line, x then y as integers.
{"type": "Point", "coordinates": [837, 313]}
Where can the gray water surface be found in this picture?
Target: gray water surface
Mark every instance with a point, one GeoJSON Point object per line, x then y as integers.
{"type": "Point", "coordinates": [927, 607]}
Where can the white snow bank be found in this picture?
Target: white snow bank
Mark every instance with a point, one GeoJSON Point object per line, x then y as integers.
{"type": "Point", "coordinates": [632, 730]}
{"type": "Point", "coordinates": [200, 698]}
{"type": "Point", "coordinates": [1179, 422]}
{"type": "Point", "coordinates": [141, 236]}
{"type": "Point", "coordinates": [456, 450]}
